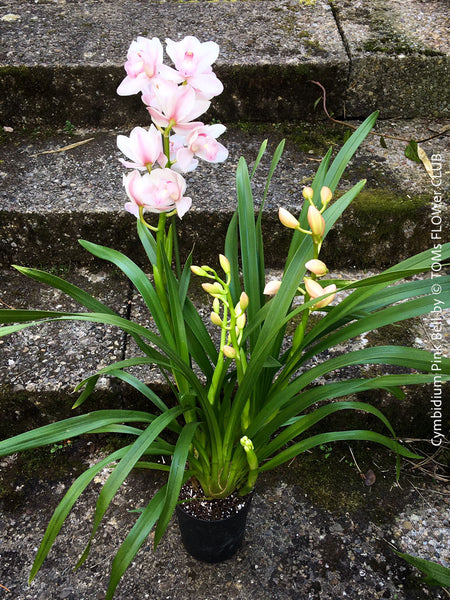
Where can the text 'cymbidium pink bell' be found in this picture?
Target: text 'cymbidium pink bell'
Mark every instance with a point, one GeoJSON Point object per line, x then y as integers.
{"type": "Point", "coordinates": [174, 97]}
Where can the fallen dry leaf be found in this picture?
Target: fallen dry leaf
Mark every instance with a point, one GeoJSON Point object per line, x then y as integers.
{"type": "Point", "coordinates": [425, 161]}
{"type": "Point", "coordinates": [369, 477]}
{"type": "Point", "coordinates": [69, 147]}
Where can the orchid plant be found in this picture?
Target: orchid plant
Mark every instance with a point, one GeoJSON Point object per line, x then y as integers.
{"type": "Point", "coordinates": [245, 406]}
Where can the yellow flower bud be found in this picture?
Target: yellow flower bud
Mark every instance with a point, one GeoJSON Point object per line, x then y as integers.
{"type": "Point", "coordinates": [325, 195]}
{"type": "Point", "coordinates": [316, 222]}
{"type": "Point", "coordinates": [240, 321]}
{"type": "Point", "coordinates": [326, 301]}
{"type": "Point", "coordinates": [215, 289]}
{"type": "Point", "coordinates": [317, 267]}
{"type": "Point", "coordinates": [288, 219]}
{"type": "Point", "coordinates": [229, 351]}
{"type": "Point", "coordinates": [216, 305]}
{"type": "Point", "coordinates": [272, 288]}
{"type": "Point", "coordinates": [225, 264]}
{"type": "Point", "coordinates": [243, 301]}
{"type": "Point", "coordinates": [315, 290]}
{"type": "Point", "coordinates": [308, 193]}
{"type": "Point", "coordinates": [216, 319]}
{"type": "Point", "coordinates": [198, 271]}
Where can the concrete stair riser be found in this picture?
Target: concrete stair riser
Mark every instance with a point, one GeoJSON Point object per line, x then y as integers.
{"type": "Point", "coordinates": [366, 56]}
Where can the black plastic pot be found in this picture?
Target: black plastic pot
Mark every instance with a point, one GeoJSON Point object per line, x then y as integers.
{"type": "Point", "coordinates": [213, 541]}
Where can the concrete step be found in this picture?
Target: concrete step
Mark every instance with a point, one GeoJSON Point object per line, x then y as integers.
{"type": "Point", "coordinates": [40, 366]}
{"type": "Point", "coordinates": [391, 55]}
{"type": "Point", "coordinates": [50, 198]}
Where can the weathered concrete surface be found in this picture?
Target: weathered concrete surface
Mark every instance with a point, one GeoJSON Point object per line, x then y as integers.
{"type": "Point", "coordinates": [71, 60]}
{"type": "Point", "coordinates": [399, 56]}
{"type": "Point", "coordinates": [294, 547]}
{"type": "Point", "coordinates": [48, 201]}
{"type": "Point", "coordinates": [390, 55]}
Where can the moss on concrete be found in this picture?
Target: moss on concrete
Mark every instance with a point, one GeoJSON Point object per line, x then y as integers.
{"type": "Point", "coordinates": [309, 137]}
{"type": "Point", "coordinates": [329, 478]}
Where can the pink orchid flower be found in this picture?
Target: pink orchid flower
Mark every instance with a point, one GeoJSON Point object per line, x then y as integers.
{"type": "Point", "coordinates": [201, 142]}
{"type": "Point", "coordinates": [159, 191]}
{"type": "Point", "coordinates": [183, 160]}
{"type": "Point", "coordinates": [193, 60]}
{"type": "Point", "coordinates": [176, 106]}
{"type": "Point", "coordinates": [144, 61]}
{"type": "Point", "coordinates": [143, 147]}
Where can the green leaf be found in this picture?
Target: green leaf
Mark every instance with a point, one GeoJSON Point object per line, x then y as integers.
{"type": "Point", "coordinates": [436, 574]}
{"type": "Point", "coordinates": [296, 429]}
{"type": "Point", "coordinates": [392, 314]}
{"type": "Point", "coordinates": [411, 151]}
{"type": "Point", "coordinates": [175, 481]}
{"type": "Point", "coordinates": [126, 464]}
{"type": "Point", "coordinates": [148, 242]}
{"type": "Point", "coordinates": [347, 135]}
{"type": "Point", "coordinates": [70, 428]}
{"type": "Point", "coordinates": [90, 385]}
{"type": "Point", "coordinates": [334, 436]}
{"type": "Point", "coordinates": [261, 151]}
{"type": "Point", "coordinates": [249, 249]}
{"type": "Point", "coordinates": [140, 281]}
{"type": "Point", "coordinates": [71, 290]}
{"type": "Point", "coordinates": [231, 252]}
{"type": "Point", "coordinates": [134, 540]}
{"type": "Point", "coordinates": [65, 506]}
{"type": "Point", "coordinates": [347, 151]}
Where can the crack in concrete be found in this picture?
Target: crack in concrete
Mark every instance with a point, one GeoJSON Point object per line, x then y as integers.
{"type": "Point", "coordinates": [345, 43]}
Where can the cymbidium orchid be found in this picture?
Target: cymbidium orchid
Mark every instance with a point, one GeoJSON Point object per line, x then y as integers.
{"type": "Point", "coordinates": [175, 107]}
{"type": "Point", "coordinates": [244, 403]}
{"type": "Point", "coordinates": [174, 141]}
{"type": "Point", "coordinates": [144, 147]}
{"type": "Point", "coordinates": [193, 60]}
{"type": "Point", "coordinates": [144, 60]}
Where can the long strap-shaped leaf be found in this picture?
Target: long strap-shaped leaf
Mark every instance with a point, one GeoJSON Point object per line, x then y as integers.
{"type": "Point", "coordinates": [280, 409]}
{"type": "Point", "coordinates": [139, 280]}
{"type": "Point", "coordinates": [65, 506]}
{"type": "Point", "coordinates": [68, 288]}
{"type": "Point", "coordinates": [279, 307]}
{"type": "Point", "coordinates": [385, 355]}
{"type": "Point", "coordinates": [69, 428]}
{"type": "Point", "coordinates": [418, 263]}
{"type": "Point", "coordinates": [123, 469]}
{"type": "Point", "coordinates": [249, 246]}
{"type": "Point", "coordinates": [330, 177]}
{"type": "Point", "coordinates": [392, 314]}
{"type": "Point", "coordinates": [134, 540]}
{"type": "Point", "coordinates": [115, 370]}
{"type": "Point", "coordinates": [8, 316]}
{"type": "Point", "coordinates": [175, 481]}
{"type": "Point", "coordinates": [345, 154]}
{"type": "Point", "coordinates": [335, 436]}
{"type": "Point", "coordinates": [317, 415]}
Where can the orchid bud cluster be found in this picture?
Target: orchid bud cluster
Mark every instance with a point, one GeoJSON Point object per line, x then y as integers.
{"type": "Point", "coordinates": [174, 98]}
{"type": "Point", "coordinates": [315, 219]}
{"type": "Point", "coordinates": [318, 268]}
{"type": "Point", "coordinates": [231, 319]}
